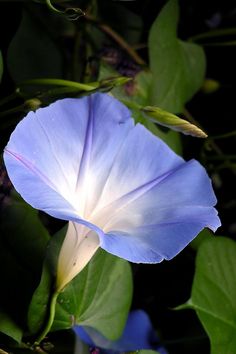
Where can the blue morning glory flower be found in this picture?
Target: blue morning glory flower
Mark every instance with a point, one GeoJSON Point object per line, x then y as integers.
{"type": "Point", "coordinates": [138, 334]}
{"type": "Point", "coordinates": [122, 188]}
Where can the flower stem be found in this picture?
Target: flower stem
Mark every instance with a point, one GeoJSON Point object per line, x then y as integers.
{"type": "Point", "coordinates": [50, 320]}
{"type": "Point", "coordinates": [72, 13]}
{"type": "Point", "coordinates": [117, 38]}
{"type": "Point", "coordinates": [12, 110]}
{"type": "Point", "coordinates": [51, 7]}
{"type": "Point", "coordinates": [131, 104]}
{"type": "Point", "coordinates": [60, 82]}
{"type": "Point", "coordinates": [213, 33]}
{"type": "Point", "coordinates": [224, 136]}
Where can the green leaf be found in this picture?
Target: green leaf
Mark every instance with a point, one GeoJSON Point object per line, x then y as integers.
{"type": "Point", "coordinates": [127, 23]}
{"type": "Point", "coordinates": [98, 297]}
{"type": "Point", "coordinates": [178, 67]}
{"type": "Point", "coordinates": [40, 303]}
{"type": "Point", "coordinates": [1, 66]}
{"type": "Point", "coordinates": [9, 327]}
{"type": "Point", "coordinates": [39, 306]}
{"type": "Point", "coordinates": [204, 235]}
{"type": "Point", "coordinates": [24, 233]}
{"type": "Point", "coordinates": [214, 292]}
{"type": "Point", "coordinates": [32, 41]}
{"type": "Point", "coordinates": [23, 240]}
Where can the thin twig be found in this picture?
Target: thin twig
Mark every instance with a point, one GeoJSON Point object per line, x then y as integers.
{"type": "Point", "coordinates": [117, 38]}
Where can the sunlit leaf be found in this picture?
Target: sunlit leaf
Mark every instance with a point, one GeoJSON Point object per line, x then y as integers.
{"type": "Point", "coordinates": [98, 297]}
{"type": "Point", "coordinates": [178, 67]}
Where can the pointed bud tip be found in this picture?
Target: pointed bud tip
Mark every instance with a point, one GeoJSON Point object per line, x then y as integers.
{"type": "Point", "coordinates": [173, 122]}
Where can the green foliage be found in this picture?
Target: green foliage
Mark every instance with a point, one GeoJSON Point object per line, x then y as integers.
{"type": "Point", "coordinates": [33, 53]}
{"type": "Point", "coordinates": [23, 240]}
{"type": "Point", "coordinates": [25, 234]}
{"type": "Point", "coordinates": [98, 297]}
{"type": "Point", "coordinates": [125, 22]}
{"type": "Point", "coordinates": [214, 292]}
{"type": "Point", "coordinates": [40, 304]}
{"type": "Point", "coordinates": [204, 235]}
{"type": "Point", "coordinates": [178, 67]}
{"type": "Point", "coordinates": [9, 327]}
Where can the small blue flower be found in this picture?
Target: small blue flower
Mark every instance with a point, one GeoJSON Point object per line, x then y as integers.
{"type": "Point", "coordinates": [122, 188]}
{"type": "Point", "coordinates": [138, 334]}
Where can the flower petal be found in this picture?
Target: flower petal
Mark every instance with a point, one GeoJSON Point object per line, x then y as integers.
{"type": "Point", "coordinates": [159, 218]}
{"type": "Point", "coordinates": [138, 334]}
{"type": "Point", "coordinates": [142, 158]}
{"type": "Point", "coordinates": [79, 246]}
{"type": "Point", "coordinates": [155, 242]}
{"type": "Point", "coordinates": [59, 157]}
{"type": "Point", "coordinates": [83, 160]}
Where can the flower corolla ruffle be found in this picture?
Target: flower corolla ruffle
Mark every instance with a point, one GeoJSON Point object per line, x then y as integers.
{"type": "Point", "coordinates": [122, 188]}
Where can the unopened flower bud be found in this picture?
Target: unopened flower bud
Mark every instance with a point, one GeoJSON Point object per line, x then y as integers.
{"type": "Point", "coordinates": [172, 121]}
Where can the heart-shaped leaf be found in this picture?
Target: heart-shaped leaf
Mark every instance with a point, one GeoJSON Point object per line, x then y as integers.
{"type": "Point", "coordinates": [98, 297]}
{"type": "Point", "coordinates": [178, 67]}
{"type": "Point", "coordinates": [214, 292]}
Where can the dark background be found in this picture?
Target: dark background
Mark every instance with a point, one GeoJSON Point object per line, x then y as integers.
{"type": "Point", "coordinates": [160, 288]}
